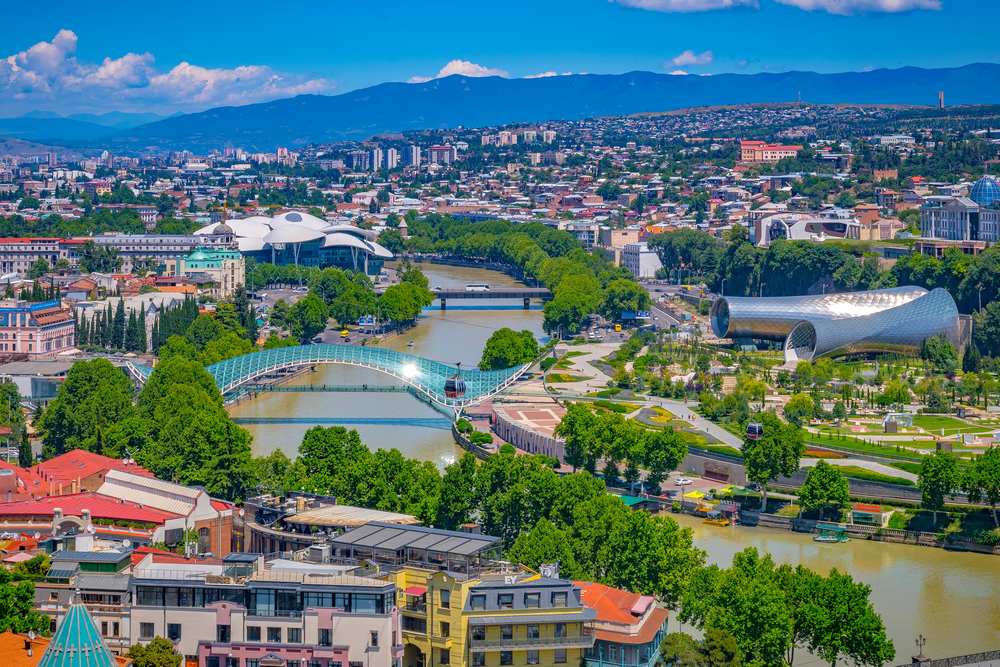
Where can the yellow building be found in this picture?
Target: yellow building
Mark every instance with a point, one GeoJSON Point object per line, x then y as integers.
{"type": "Point", "coordinates": [460, 606]}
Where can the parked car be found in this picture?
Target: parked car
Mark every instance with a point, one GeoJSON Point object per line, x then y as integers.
{"type": "Point", "coordinates": [682, 481]}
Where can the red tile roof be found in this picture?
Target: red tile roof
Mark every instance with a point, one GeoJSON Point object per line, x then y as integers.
{"type": "Point", "coordinates": [624, 608]}
{"type": "Point", "coordinates": [101, 507]}
{"type": "Point", "coordinates": [78, 464]}
{"type": "Point", "coordinates": [28, 484]}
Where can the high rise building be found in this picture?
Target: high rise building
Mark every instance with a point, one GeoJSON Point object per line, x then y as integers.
{"type": "Point", "coordinates": [529, 136]}
{"type": "Point", "coordinates": [376, 158]}
{"type": "Point", "coordinates": [506, 138]}
{"type": "Point", "coordinates": [391, 158]}
{"type": "Point", "coordinates": [548, 136]}
{"type": "Point", "coordinates": [413, 156]}
{"type": "Point", "coordinates": [358, 160]}
{"type": "Point", "coordinates": [441, 154]}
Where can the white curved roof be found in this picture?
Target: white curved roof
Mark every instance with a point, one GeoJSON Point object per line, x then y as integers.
{"type": "Point", "coordinates": [249, 244]}
{"type": "Point", "coordinates": [292, 233]}
{"type": "Point", "coordinates": [300, 218]}
{"type": "Point", "coordinates": [341, 239]}
{"type": "Point", "coordinates": [369, 234]}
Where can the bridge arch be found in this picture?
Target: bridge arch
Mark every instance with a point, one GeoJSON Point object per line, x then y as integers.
{"type": "Point", "coordinates": [426, 376]}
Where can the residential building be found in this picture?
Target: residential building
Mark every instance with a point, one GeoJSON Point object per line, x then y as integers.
{"type": "Point", "coordinates": [761, 151]}
{"type": "Point", "coordinates": [391, 158]}
{"type": "Point", "coordinates": [895, 140]}
{"type": "Point", "coordinates": [35, 329]}
{"type": "Point", "coordinates": [628, 627]}
{"type": "Point", "coordinates": [413, 156]}
{"type": "Point", "coordinates": [18, 254]}
{"type": "Point", "coordinates": [548, 136]}
{"type": "Point", "coordinates": [146, 248]}
{"type": "Point", "coordinates": [443, 155]}
{"type": "Point", "coordinates": [377, 157]}
{"type": "Point", "coordinates": [242, 610]}
{"type": "Point", "coordinates": [641, 260]}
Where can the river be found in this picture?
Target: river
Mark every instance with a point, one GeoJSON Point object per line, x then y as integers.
{"type": "Point", "coordinates": [455, 335]}
{"type": "Point", "coordinates": [952, 598]}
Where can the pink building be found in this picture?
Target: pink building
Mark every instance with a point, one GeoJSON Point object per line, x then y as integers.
{"type": "Point", "coordinates": [35, 329]}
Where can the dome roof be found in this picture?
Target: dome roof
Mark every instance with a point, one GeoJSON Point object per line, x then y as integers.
{"type": "Point", "coordinates": [197, 256]}
{"type": "Point", "coordinates": [292, 233]}
{"type": "Point", "coordinates": [222, 228]}
{"type": "Point", "coordinates": [342, 239]}
{"type": "Point", "coordinates": [985, 191]}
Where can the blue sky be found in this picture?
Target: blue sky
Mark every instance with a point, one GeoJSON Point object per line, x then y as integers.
{"type": "Point", "coordinates": [182, 56]}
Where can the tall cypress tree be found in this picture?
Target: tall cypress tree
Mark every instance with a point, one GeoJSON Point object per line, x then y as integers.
{"type": "Point", "coordinates": [118, 328]}
{"type": "Point", "coordinates": [143, 345]}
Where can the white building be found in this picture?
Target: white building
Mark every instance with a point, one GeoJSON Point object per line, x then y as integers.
{"type": "Point", "coordinates": [391, 158]}
{"type": "Point", "coordinates": [640, 260]}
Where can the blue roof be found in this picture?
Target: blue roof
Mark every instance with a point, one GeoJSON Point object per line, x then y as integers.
{"type": "Point", "coordinates": [77, 643]}
{"type": "Point", "coordinates": [985, 191]}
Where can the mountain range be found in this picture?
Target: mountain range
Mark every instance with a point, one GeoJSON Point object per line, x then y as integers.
{"type": "Point", "coordinates": [485, 101]}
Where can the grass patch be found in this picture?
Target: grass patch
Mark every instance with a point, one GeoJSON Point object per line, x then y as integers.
{"type": "Point", "coordinates": [620, 408]}
{"type": "Point", "coordinates": [566, 377]}
{"type": "Point", "coordinates": [605, 393]}
{"type": "Point", "coordinates": [725, 450]}
{"type": "Point", "coordinates": [951, 425]}
{"type": "Point", "coordinates": [661, 416]}
{"type": "Point", "coordinates": [913, 468]}
{"type": "Point", "coordinates": [790, 511]}
{"type": "Point", "coordinates": [573, 353]}
{"type": "Point", "coordinates": [871, 476]}
{"type": "Point", "coordinates": [860, 447]}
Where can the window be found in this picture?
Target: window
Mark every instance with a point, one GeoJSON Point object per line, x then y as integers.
{"type": "Point", "coordinates": [445, 599]}
{"type": "Point", "coordinates": [252, 662]}
{"type": "Point", "coordinates": [506, 600]}
{"type": "Point", "coordinates": [294, 663]}
{"type": "Point", "coordinates": [444, 656]}
{"type": "Point", "coordinates": [212, 661]}
{"type": "Point", "coordinates": [146, 631]}
{"type": "Point", "coordinates": [325, 637]}
{"type": "Point", "coordinates": [373, 639]}
{"type": "Point", "coordinates": [506, 658]}
{"type": "Point", "coordinates": [445, 629]}
{"type": "Point", "coordinates": [532, 599]}
{"type": "Point", "coordinates": [222, 633]}
{"type": "Point", "coordinates": [274, 635]}
{"type": "Point", "coordinates": [479, 632]}
{"type": "Point", "coordinates": [506, 632]}
{"type": "Point", "coordinates": [115, 629]}
{"type": "Point", "coordinates": [560, 656]}
{"type": "Point", "coordinates": [294, 635]}
{"type": "Point", "coordinates": [560, 630]}
{"type": "Point", "coordinates": [477, 602]}
{"type": "Point", "coordinates": [253, 633]}
{"type": "Point", "coordinates": [532, 657]}
{"type": "Point", "coordinates": [104, 628]}
{"type": "Point", "coordinates": [558, 599]}
{"type": "Point", "coordinates": [533, 631]}
{"type": "Point", "coordinates": [478, 660]}
{"type": "Point", "coordinates": [173, 631]}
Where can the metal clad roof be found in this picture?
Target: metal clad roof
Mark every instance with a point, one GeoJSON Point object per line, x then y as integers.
{"type": "Point", "coordinates": [378, 537]}
{"type": "Point", "coordinates": [397, 542]}
{"type": "Point", "coordinates": [449, 544]}
{"type": "Point", "coordinates": [352, 536]}
{"type": "Point", "coordinates": [427, 541]}
{"type": "Point", "coordinates": [471, 546]}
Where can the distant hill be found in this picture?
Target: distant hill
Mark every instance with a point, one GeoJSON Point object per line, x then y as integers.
{"type": "Point", "coordinates": [52, 130]}
{"type": "Point", "coordinates": [477, 102]}
{"type": "Point", "coordinates": [117, 119]}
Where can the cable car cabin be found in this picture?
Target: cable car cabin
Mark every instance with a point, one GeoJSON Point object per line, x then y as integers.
{"type": "Point", "coordinates": [454, 387]}
{"type": "Point", "coordinates": [755, 431]}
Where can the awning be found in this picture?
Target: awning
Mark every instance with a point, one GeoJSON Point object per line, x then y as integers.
{"type": "Point", "coordinates": [415, 591]}
{"type": "Point", "coordinates": [694, 494]}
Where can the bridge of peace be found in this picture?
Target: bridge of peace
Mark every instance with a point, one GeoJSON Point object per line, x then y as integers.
{"type": "Point", "coordinates": [442, 384]}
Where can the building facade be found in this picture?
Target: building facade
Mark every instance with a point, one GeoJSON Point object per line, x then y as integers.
{"type": "Point", "coordinates": [761, 151]}
{"type": "Point", "coordinates": [641, 260]}
{"type": "Point", "coordinates": [959, 219]}
{"type": "Point", "coordinates": [35, 329]}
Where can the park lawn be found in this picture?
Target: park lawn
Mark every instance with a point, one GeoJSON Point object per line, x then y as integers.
{"type": "Point", "coordinates": [661, 416]}
{"type": "Point", "coordinates": [871, 476]}
{"type": "Point", "coordinates": [722, 449]}
{"type": "Point", "coordinates": [861, 447]}
{"type": "Point", "coordinates": [605, 393]}
{"type": "Point", "coordinates": [790, 511]}
{"type": "Point", "coordinates": [573, 353]}
{"type": "Point", "coordinates": [566, 377]}
{"type": "Point", "coordinates": [951, 425]}
{"type": "Point", "coordinates": [909, 467]}
{"type": "Point", "coordinates": [612, 406]}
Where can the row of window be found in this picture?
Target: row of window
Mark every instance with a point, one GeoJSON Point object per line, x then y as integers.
{"type": "Point", "coordinates": [218, 661]}
{"type": "Point", "coordinates": [532, 631]}
{"type": "Point", "coordinates": [506, 657]}
{"type": "Point", "coordinates": [265, 602]}
{"type": "Point", "coordinates": [529, 600]}
{"type": "Point", "coordinates": [223, 634]}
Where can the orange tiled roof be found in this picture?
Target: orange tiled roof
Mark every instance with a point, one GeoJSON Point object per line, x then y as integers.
{"type": "Point", "coordinates": [615, 606]}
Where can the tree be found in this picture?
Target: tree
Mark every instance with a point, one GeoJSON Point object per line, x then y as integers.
{"type": "Point", "coordinates": [99, 258]}
{"type": "Point", "coordinates": [776, 453]}
{"type": "Point", "coordinates": [939, 352]}
{"type": "Point", "coordinates": [825, 488]}
{"type": "Point", "coordinates": [576, 428]}
{"type": "Point", "coordinates": [623, 295]}
{"type": "Point", "coordinates": [157, 653]}
{"type": "Point", "coordinates": [17, 606]}
{"type": "Point", "coordinates": [938, 479]}
{"type": "Point", "coordinates": [38, 268]}
{"type": "Point", "coordinates": [663, 451]}
{"type": "Point", "coordinates": [982, 480]}
{"type": "Point", "coordinates": [544, 543]}
{"type": "Point", "coordinates": [507, 348]}
{"type": "Point", "coordinates": [457, 488]}
{"type": "Point", "coordinates": [717, 648]}
{"type": "Point", "coordinates": [307, 317]}
{"type": "Point", "coordinates": [800, 408]}
{"type": "Point", "coordinates": [895, 392]}
{"type": "Point", "coordinates": [94, 396]}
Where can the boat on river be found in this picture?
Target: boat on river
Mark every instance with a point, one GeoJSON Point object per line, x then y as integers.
{"type": "Point", "coordinates": [831, 533]}
{"type": "Point", "coordinates": [717, 518]}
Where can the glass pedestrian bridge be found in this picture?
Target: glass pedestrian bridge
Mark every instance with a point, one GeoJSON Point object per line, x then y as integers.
{"type": "Point", "coordinates": [426, 376]}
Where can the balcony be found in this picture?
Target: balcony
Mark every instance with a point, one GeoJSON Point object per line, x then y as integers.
{"type": "Point", "coordinates": [524, 643]}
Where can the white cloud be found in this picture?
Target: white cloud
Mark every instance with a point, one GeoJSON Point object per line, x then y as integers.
{"type": "Point", "coordinates": [689, 57]}
{"type": "Point", "coordinates": [686, 5]}
{"type": "Point", "coordinates": [49, 76]}
{"type": "Point", "coordinates": [678, 72]}
{"type": "Point", "coordinates": [546, 75]}
{"type": "Point", "coordinates": [462, 68]}
{"type": "Point", "coordinates": [846, 7]}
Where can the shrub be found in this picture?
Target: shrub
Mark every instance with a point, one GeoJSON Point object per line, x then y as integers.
{"type": "Point", "coordinates": [507, 448]}
{"type": "Point", "coordinates": [481, 438]}
{"type": "Point", "coordinates": [464, 425]}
